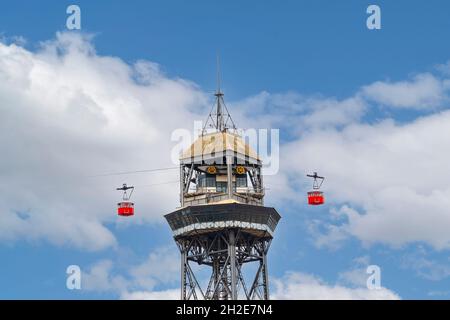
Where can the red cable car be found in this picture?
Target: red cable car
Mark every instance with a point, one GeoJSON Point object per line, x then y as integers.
{"type": "Point", "coordinates": [316, 197]}
{"type": "Point", "coordinates": [126, 207]}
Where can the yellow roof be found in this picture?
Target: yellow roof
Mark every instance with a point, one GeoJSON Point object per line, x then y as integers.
{"type": "Point", "coordinates": [225, 201]}
{"type": "Point", "coordinates": [218, 142]}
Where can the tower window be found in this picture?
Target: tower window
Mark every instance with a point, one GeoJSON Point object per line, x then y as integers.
{"type": "Point", "coordinates": [221, 187]}
{"type": "Point", "coordinates": [241, 181]}
{"type": "Point", "coordinates": [207, 180]}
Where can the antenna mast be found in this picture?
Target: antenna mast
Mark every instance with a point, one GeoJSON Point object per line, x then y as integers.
{"type": "Point", "coordinates": [219, 119]}
{"type": "Point", "coordinates": [220, 125]}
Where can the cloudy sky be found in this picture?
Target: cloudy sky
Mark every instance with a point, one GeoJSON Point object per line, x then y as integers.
{"type": "Point", "coordinates": [367, 109]}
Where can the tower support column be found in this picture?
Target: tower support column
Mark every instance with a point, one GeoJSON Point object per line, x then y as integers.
{"type": "Point", "coordinates": [183, 271]}
{"type": "Point", "coordinates": [230, 176]}
{"type": "Point", "coordinates": [233, 265]}
{"type": "Point", "coordinates": [265, 277]}
{"type": "Point", "coordinates": [182, 185]}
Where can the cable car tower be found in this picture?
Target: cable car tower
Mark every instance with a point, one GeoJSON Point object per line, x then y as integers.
{"type": "Point", "coordinates": [222, 223]}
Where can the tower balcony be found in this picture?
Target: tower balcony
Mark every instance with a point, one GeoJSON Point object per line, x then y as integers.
{"type": "Point", "coordinates": [211, 196]}
{"type": "Point", "coordinates": [254, 220]}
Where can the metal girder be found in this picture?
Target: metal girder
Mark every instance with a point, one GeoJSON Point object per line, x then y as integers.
{"type": "Point", "coordinates": [225, 252]}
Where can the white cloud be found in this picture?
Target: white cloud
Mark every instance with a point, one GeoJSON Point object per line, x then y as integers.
{"type": "Point", "coordinates": [385, 182]}
{"type": "Point", "coordinates": [68, 113]}
{"type": "Point", "coordinates": [436, 294]}
{"type": "Point", "coordinates": [295, 285]}
{"type": "Point", "coordinates": [100, 278]}
{"type": "Point", "coordinates": [354, 277]}
{"type": "Point", "coordinates": [170, 294]}
{"type": "Point", "coordinates": [332, 112]}
{"type": "Point", "coordinates": [423, 91]}
{"type": "Point", "coordinates": [160, 268]}
{"type": "Point", "coordinates": [388, 180]}
{"type": "Point", "coordinates": [357, 275]}
{"type": "Point", "coordinates": [444, 68]}
{"type": "Point", "coordinates": [294, 112]}
{"type": "Point", "coordinates": [426, 267]}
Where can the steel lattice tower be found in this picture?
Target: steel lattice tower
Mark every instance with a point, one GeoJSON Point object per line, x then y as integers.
{"type": "Point", "coordinates": [222, 222]}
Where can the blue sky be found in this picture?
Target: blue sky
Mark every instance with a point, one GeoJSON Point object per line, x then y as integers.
{"type": "Point", "coordinates": [302, 53]}
{"type": "Point", "coordinates": [310, 46]}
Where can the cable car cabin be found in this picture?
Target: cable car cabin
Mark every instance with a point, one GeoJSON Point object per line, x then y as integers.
{"type": "Point", "coordinates": [125, 208]}
{"type": "Point", "coordinates": [315, 198]}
